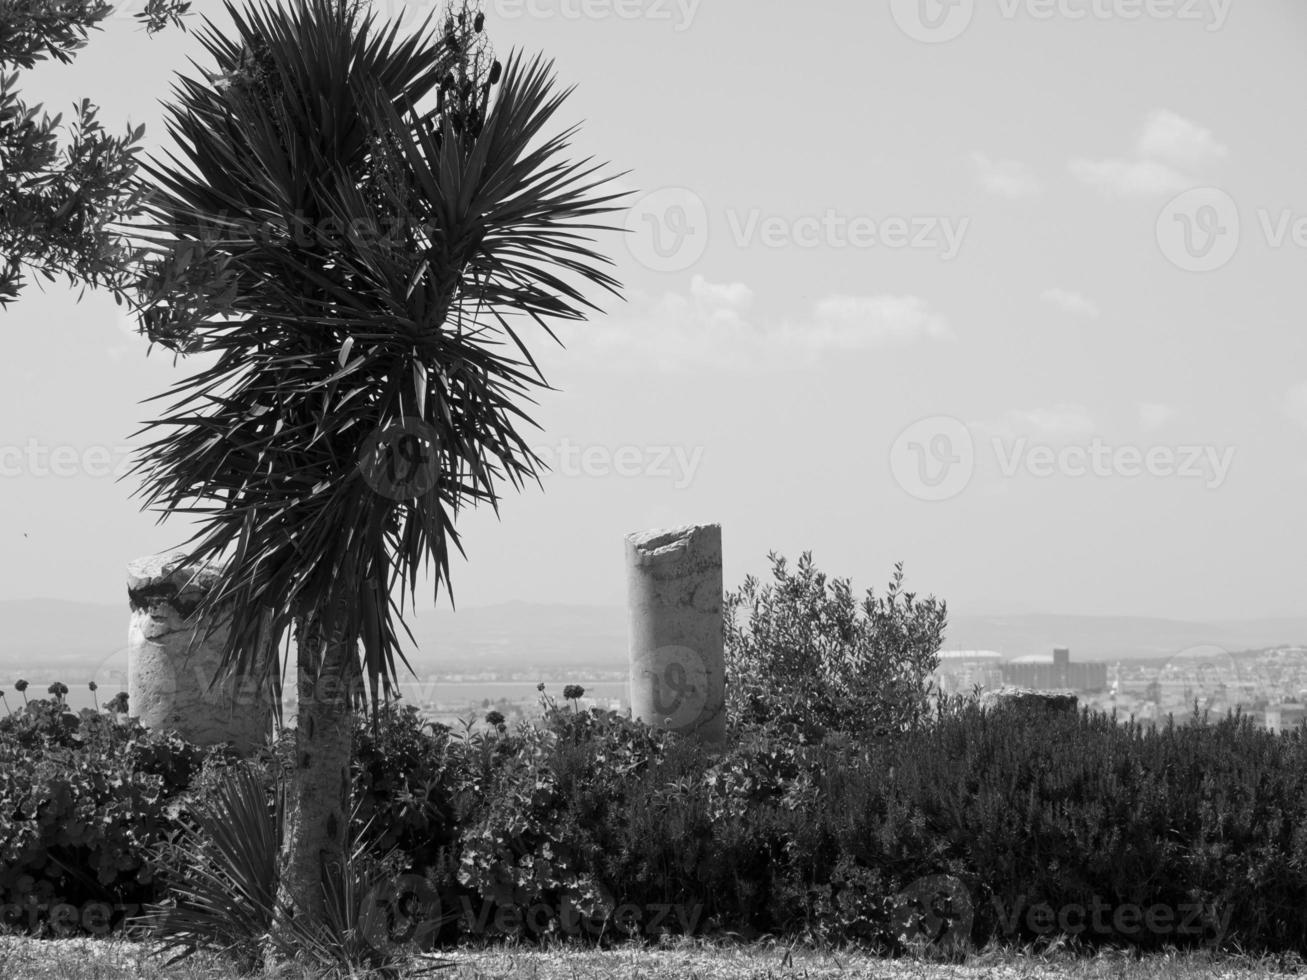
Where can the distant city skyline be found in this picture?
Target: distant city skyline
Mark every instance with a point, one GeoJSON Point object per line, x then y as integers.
{"type": "Point", "coordinates": [1010, 293]}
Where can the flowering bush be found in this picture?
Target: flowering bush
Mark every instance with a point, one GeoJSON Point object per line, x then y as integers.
{"type": "Point", "coordinates": [82, 798]}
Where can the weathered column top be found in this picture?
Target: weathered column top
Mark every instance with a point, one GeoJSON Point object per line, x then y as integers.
{"type": "Point", "coordinates": [654, 545]}
{"type": "Point", "coordinates": [165, 578]}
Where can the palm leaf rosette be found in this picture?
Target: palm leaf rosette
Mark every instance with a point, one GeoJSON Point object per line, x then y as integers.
{"type": "Point", "coordinates": [360, 269]}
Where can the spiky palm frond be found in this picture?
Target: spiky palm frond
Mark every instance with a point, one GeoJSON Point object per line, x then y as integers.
{"type": "Point", "coordinates": [335, 351]}
{"type": "Point", "coordinates": [221, 872]}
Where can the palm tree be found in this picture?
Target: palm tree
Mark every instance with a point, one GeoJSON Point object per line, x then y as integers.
{"type": "Point", "coordinates": [361, 269]}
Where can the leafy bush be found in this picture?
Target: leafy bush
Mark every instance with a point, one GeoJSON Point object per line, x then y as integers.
{"type": "Point", "coordinates": [82, 798]}
{"type": "Point", "coordinates": [403, 796]}
{"type": "Point", "coordinates": [809, 660]}
{"type": "Point", "coordinates": [594, 826]}
{"type": "Point", "coordinates": [594, 814]}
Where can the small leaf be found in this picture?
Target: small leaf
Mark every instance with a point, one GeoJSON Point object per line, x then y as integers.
{"type": "Point", "coordinates": [420, 386]}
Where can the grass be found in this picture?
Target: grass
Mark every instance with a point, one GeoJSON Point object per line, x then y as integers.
{"type": "Point", "coordinates": [29, 959]}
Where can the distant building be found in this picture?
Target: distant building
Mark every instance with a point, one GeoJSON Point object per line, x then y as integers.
{"type": "Point", "coordinates": [1285, 717]}
{"type": "Point", "coordinates": [1041, 673]}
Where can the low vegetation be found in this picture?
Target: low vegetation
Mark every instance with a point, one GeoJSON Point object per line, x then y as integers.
{"type": "Point", "coordinates": [859, 825]}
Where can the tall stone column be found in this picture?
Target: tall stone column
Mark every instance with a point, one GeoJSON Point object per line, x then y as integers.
{"type": "Point", "coordinates": [674, 595]}
{"type": "Point", "coordinates": [168, 677]}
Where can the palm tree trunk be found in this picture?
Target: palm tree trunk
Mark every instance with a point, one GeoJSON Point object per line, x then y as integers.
{"type": "Point", "coordinates": [318, 788]}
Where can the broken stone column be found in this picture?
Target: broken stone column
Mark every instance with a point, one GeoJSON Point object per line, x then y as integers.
{"type": "Point", "coordinates": [674, 596]}
{"type": "Point", "coordinates": [168, 676]}
{"type": "Point", "coordinates": [1020, 699]}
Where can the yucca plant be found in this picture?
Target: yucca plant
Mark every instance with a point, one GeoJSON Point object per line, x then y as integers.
{"type": "Point", "coordinates": [221, 870]}
{"type": "Point", "coordinates": [364, 386]}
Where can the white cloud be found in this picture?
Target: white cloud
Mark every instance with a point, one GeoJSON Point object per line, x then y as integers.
{"type": "Point", "coordinates": [713, 327]}
{"type": "Point", "coordinates": [1042, 425]}
{"type": "Point", "coordinates": [1006, 178]}
{"type": "Point", "coordinates": [1060, 420]}
{"type": "Point", "coordinates": [1070, 302]}
{"type": "Point", "coordinates": [1179, 142]}
{"type": "Point", "coordinates": [1172, 154]}
{"type": "Point", "coordinates": [1131, 178]}
{"type": "Point", "coordinates": [1295, 404]}
{"type": "Point", "coordinates": [843, 323]}
{"type": "Point", "coordinates": [1153, 415]}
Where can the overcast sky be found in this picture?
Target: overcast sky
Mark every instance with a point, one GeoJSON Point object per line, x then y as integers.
{"type": "Point", "coordinates": [1012, 292]}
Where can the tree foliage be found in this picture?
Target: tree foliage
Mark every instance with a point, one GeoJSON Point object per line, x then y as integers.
{"type": "Point", "coordinates": [61, 200]}
{"type": "Point", "coordinates": [801, 653]}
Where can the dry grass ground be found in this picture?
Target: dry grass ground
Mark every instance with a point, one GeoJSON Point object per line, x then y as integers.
{"type": "Point", "coordinates": [26, 959]}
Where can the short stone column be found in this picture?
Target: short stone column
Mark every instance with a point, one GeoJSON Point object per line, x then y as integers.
{"type": "Point", "coordinates": [674, 596]}
{"type": "Point", "coordinates": [1020, 699]}
{"type": "Point", "coordinates": [168, 676]}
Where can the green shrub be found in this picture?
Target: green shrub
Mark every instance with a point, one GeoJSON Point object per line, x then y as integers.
{"type": "Point", "coordinates": [597, 827]}
{"type": "Point", "coordinates": [403, 795]}
{"type": "Point", "coordinates": [82, 798]}
{"type": "Point", "coordinates": [807, 659]}
{"type": "Point", "coordinates": [771, 836]}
